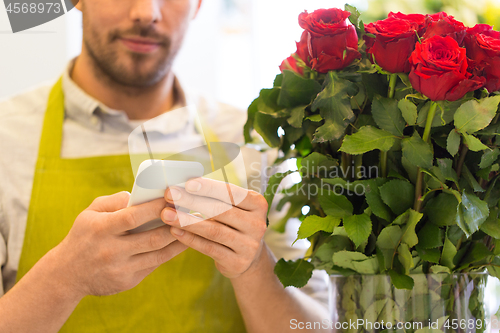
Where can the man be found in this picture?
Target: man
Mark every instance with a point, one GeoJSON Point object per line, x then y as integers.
{"type": "Point", "coordinates": [61, 145]}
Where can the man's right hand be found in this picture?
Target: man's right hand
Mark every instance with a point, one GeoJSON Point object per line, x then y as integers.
{"type": "Point", "coordinates": [100, 257]}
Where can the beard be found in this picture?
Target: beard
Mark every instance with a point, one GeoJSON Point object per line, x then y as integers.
{"type": "Point", "coordinates": [126, 68]}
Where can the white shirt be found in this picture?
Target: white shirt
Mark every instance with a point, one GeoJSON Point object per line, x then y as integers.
{"type": "Point", "coordinates": [93, 129]}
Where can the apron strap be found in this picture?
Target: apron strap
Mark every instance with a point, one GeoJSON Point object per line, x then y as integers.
{"type": "Point", "coordinates": [52, 129]}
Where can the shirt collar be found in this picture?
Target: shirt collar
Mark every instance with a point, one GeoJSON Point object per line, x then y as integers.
{"type": "Point", "coordinates": [93, 114]}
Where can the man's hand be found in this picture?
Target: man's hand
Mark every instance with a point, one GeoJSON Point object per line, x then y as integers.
{"type": "Point", "coordinates": [100, 257]}
{"type": "Point", "coordinates": [233, 237]}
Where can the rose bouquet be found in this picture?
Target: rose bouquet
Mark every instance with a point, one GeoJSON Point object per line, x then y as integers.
{"type": "Point", "coordinates": [393, 126]}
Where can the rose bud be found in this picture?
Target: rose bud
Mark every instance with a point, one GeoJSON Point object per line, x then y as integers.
{"type": "Point", "coordinates": [302, 53]}
{"type": "Point", "coordinates": [291, 64]}
{"type": "Point", "coordinates": [439, 70]}
{"type": "Point", "coordinates": [418, 19]}
{"type": "Point", "coordinates": [442, 24]}
{"type": "Point", "coordinates": [394, 41]}
{"type": "Point", "coordinates": [332, 39]}
{"type": "Point", "coordinates": [483, 48]}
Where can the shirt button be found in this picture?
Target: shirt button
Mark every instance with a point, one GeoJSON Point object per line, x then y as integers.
{"type": "Point", "coordinates": [94, 120]}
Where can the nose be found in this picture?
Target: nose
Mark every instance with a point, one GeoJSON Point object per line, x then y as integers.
{"type": "Point", "coordinates": [145, 12]}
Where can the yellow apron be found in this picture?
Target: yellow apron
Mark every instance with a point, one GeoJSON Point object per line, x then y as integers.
{"type": "Point", "coordinates": [186, 294]}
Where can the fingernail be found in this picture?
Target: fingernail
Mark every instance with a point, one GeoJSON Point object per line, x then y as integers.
{"type": "Point", "coordinates": [169, 215]}
{"type": "Point", "coordinates": [173, 194]}
{"type": "Point", "coordinates": [177, 232]}
{"type": "Point", "coordinates": [193, 186]}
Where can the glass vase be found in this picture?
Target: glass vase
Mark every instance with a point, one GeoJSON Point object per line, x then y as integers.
{"type": "Point", "coordinates": [437, 303]}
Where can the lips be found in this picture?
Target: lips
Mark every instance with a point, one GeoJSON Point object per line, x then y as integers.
{"type": "Point", "coordinates": [141, 45]}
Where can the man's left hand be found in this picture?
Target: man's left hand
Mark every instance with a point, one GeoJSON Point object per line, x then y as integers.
{"type": "Point", "coordinates": [233, 236]}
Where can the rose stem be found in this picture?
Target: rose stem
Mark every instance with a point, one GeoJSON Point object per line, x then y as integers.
{"type": "Point", "coordinates": [420, 175]}
{"type": "Point", "coordinates": [393, 79]}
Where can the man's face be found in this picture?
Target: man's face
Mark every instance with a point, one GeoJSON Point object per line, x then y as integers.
{"type": "Point", "coordinates": [134, 42]}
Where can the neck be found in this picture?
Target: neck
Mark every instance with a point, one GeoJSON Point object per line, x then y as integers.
{"type": "Point", "coordinates": [137, 103]}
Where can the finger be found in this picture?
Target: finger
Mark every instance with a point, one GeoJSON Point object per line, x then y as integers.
{"type": "Point", "coordinates": [156, 258]}
{"type": "Point", "coordinates": [218, 252]}
{"type": "Point", "coordinates": [148, 241]}
{"type": "Point", "coordinates": [131, 217]}
{"type": "Point", "coordinates": [110, 203]}
{"type": "Point", "coordinates": [211, 208]}
{"type": "Point", "coordinates": [208, 229]}
{"type": "Point", "coordinates": [226, 192]}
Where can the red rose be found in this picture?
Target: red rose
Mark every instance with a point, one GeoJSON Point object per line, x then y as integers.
{"type": "Point", "coordinates": [483, 48]}
{"type": "Point", "coordinates": [419, 19]}
{"type": "Point", "coordinates": [303, 48]}
{"type": "Point", "coordinates": [442, 24]}
{"type": "Point", "coordinates": [332, 39]}
{"type": "Point", "coordinates": [302, 52]}
{"type": "Point", "coordinates": [394, 41]}
{"type": "Point", "coordinates": [439, 70]}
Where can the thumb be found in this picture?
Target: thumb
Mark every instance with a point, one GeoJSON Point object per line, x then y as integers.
{"type": "Point", "coordinates": [110, 203]}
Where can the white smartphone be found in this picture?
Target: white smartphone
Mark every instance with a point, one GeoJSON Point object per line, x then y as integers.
{"type": "Point", "coordinates": [152, 180]}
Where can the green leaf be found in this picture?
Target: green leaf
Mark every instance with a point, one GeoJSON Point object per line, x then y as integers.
{"type": "Point", "coordinates": [272, 187]}
{"type": "Point", "coordinates": [489, 157]}
{"type": "Point", "coordinates": [317, 165]}
{"type": "Point", "coordinates": [247, 129]}
{"type": "Point", "coordinates": [294, 273]}
{"type": "Point", "coordinates": [297, 90]}
{"type": "Point", "coordinates": [366, 139]}
{"type": "Point", "coordinates": [334, 103]}
{"type": "Point", "coordinates": [278, 80]}
{"type": "Point", "coordinates": [437, 269]}
{"type": "Point", "coordinates": [473, 115]}
{"type": "Point", "coordinates": [449, 252]}
{"type": "Point", "coordinates": [355, 14]}
{"type": "Point", "coordinates": [453, 142]}
{"type": "Point", "coordinates": [383, 310]}
{"type": "Point", "coordinates": [444, 113]}
{"type": "Point", "coordinates": [267, 126]}
{"type": "Point", "coordinates": [471, 213]}
{"type": "Point", "coordinates": [268, 102]}
{"type": "Point", "coordinates": [471, 180]}
{"type": "Point", "coordinates": [417, 151]}
{"type": "Point", "coordinates": [297, 116]}
{"type": "Point", "coordinates": [355, 261]}
{"type": "Point", "coordinates": [491, 226]}
{"type": "Point", "coordinates": [405, 257]}
{"type": "Point", "coordinates": [374, 200]}
{"type": "Point", "coordinates": [387, 243]}
{"type": "Point", "coordinates": [389, 237]}
{"type": "Point", "coordinates": [358, 228]}
{"type": "Point", "coordinates": [401, 281]}
{"type": "Point", "coordinates": [430, 236]}
{"type": "Point", "coordinates": [409, 111]}
{"type": "Point", "coordinates": [430, 255]}
{"type": "Point", "coordinates": [387, 115]}
{"type": "Point", "coordinates": [315, 118]}
{"type": "Point", "coordinates": [312, 224]}
{"type": "Point", "coordinates": [477, 252]}
{"type": "Point", "coordinates": [334, 204]}
{"type": "Point", "coordinates": [292, 134]}
{"type": "Point", "coordinates": [442, 209]}
{"type": "Point", "coordinates": [409, 235]}
{"type": "Point", "coordinates": [474, 143]}
{"type": "Point", "coordinates": [410, 169]}
{"type": "Point", "coordinates": [398, 195]}
{"type": "Point", "coordinates": [445, 165]}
